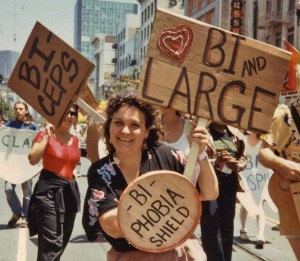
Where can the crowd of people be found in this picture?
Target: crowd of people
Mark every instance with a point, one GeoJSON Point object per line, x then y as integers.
{"type": "Point", "coordinates": [140, 138]}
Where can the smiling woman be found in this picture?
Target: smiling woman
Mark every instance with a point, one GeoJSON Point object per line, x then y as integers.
{"type": "Point", "coordinates": [134, 139]}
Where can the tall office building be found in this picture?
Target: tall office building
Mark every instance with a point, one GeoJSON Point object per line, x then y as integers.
{"type": "Point", "coordinates": [8, 60]}
{"type": "Point", "coordinates": [94, 17]}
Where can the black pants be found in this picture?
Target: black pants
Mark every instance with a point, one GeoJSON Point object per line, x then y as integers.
{"type": "Point", "coordinates": [53, 236]}
{"type": "Point", "coordinates": [217, 220]}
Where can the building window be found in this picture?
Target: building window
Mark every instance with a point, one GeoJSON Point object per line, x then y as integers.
{"type": "Point", "coordinates": [148, 31]}
{"type": "Point", "coordinates": [290, 36]}
{"type": "Point", "coordinates": [278, 39]}
{"type": "Point", "coordinates": [291, 5]}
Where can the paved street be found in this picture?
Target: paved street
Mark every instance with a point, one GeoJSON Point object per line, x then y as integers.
{"type": "Point", "coordinates": [16, 245]}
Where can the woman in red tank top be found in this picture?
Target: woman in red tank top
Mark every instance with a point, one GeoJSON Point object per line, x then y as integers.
{"type": "Point", "coordinates": [55, 200]}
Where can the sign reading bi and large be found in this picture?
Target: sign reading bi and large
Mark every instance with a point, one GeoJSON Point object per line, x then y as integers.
{"type": "Point", "coordinates": [212, 73]}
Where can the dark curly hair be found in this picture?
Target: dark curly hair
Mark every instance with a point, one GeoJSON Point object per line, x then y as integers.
{"type": "Point", "coordinates": [152, 116]}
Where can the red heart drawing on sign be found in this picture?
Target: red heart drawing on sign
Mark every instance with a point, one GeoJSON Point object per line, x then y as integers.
{"type": "Point", "coordinates": [176, 42]}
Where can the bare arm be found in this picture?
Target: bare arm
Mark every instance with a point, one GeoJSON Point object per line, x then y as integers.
{"type": "Point", "coordinates": [109, 223]}
{"type": "Point", "coordinates": [207, 179]}
{"type": "Point", "coordinates": [289, 170]}
{"type": "Point", "coordinates": [38, 149]}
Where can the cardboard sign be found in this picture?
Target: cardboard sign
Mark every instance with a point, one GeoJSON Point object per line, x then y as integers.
{"type": "Point", "coordinates": [49, 73]}
{"type": "Point", "coordinates": [212, 73]}
{"type": "Point", "coordinates": [15, 145]}
{"type": "Point", "coordinates": [159, 211]}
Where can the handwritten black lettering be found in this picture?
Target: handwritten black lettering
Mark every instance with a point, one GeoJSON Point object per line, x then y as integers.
{"type": "Point", "coordinates": [183, 211]}
{"type": "Point", "coordinates": [70, 65]}
{"type": "Point", "coordinates": [200, 91]}
{"type": "Point", "coordinates": [234, 53]}
{"type": "Point", "coordinates": [187, 95]}
{"type": "Point", "coordinates": [158, 241]}
{"type": "Point", "coordinates": [153, 215]}
{"type": "Point", "coordinates": [163, 235]}
{"type": "Point", "coordinates": [239, 109]}
{"type": "Point", "coordinates": [256, 109]}
{"type": "Point", "coordinates": [138, 197]}
{"type": "Point", "coordinates": [163, 210]}
{"type": "Point", "coordinates": [35, 50]}
{"type": "Point", "coordinates": [173, 195]}
{"type": "Point", "coordinates": [139, 224]}
{"type": "Point", "coordinates": [211, 46]}
{"type": "Point", "coordinates": [257, 64]}
{"type": "Point", "coordinates": [30, 74]}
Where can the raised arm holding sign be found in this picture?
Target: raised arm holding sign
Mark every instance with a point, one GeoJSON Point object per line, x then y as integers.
{"type": "Point", "coordinates": [138, 184]}
{"type": "Point", "coordinates": [49, 75]}
{"type": "Point", "coordinates": [188, 67]}
{"type": "Point", "coordinates": [59, 150]}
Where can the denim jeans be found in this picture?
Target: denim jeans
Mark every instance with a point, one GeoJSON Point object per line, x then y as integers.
{"type": "Point", "coordinates": [13, 200]}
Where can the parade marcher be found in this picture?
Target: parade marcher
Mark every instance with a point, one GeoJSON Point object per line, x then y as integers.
{"type": "Point", "coordinates": [281, 152]}
{"type": "Point", "coordinates": [55, 198]}
{"type": "Point", "coordinates": [1, 120]}
{"type": "Point", "coordinates": [217, 220]}
{"type": "Point", "coordinates": [255, 179]}
{"type": "Point", "coordinates": [19, 210]}
{"type": "Point", "coordinates": [132, 135]}
{"type": "Point", "coordinates": [175, 128]}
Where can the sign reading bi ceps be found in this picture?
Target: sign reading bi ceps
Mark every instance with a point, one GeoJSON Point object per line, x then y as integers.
{"type": "Point", "coordinates": [49, 73]}
{"type": "Point", "coordinates": [212, 73]}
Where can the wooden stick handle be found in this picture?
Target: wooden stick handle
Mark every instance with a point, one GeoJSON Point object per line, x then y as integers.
{"type": "Point", "coordinates": [193, 154]}
{"type": "Point", "coordinates": [89, 110]}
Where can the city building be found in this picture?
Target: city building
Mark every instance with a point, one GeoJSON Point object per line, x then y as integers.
{"type": "Point", "coordinates": [266, 20]}
{"type": "Point", "coordinates": [8, 60]}
{"type": "Point", "coordinates": [98, 17]}
{"type": "Point", "coordinates": [104, 67]}
{"type": "Point", "coordinates": [214, 12]}
{"type": "Point", "coordinates": [126, 56]}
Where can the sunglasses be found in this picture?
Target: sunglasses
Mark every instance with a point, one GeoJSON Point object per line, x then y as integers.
{"type": "Point", "coordinates": [73, 113]}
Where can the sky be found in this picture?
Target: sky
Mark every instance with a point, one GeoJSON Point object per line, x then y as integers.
{"type": "Point", "coordinates": [18, 17]}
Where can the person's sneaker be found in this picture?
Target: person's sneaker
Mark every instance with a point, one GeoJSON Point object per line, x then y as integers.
{"type": "Point", "coordinates": [13, 221]}
{"type": "Point", "coordinates": [24, 223]}
{"type": "Point", "coordinates": [243, 235]}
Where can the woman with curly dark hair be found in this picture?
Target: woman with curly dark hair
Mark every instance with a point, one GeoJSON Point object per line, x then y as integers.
{"type": "Point", "coordinates": [134, 139]}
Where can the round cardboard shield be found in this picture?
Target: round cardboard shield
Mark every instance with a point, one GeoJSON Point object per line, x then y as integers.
{"type": "Point", "coordinates": [159, 211]}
